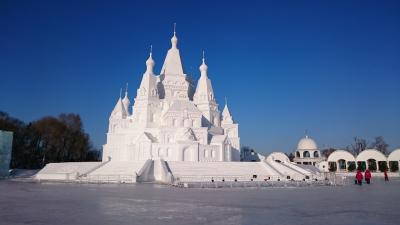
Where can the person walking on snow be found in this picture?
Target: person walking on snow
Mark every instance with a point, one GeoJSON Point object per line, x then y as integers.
{"type": "Point", "coordinates": [368, 176]}
{"type": "Point", "coordinates": [359, 177]}
{"type": "Point", "coordinates": [386, 175]}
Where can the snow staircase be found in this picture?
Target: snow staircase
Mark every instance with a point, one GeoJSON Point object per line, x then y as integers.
{"type": "Point", "coordinates": [288, 172]}
{"type": "Point", "coordinates": [228, 171]}
{"type": "Point", "coordinates": [273, 170]}
{"type": "Point", "coordinates": [65, 171]}
{"type": "Point", "coordinates": [116, 172]}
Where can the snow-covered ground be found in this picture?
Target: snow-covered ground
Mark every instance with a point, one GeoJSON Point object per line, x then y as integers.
{"type": "Point", "coordinates": [64, 203]}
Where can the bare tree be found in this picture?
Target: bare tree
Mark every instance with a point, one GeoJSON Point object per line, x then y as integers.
{"type": "Point", "coordinates": [379, 144]}
{"type": "Point", "coordinates": [358, 146]}
{"type": "Point", "coordinates": [326, 152]}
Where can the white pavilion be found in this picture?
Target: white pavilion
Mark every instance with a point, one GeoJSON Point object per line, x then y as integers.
{"type": "Point", "coordinates": [307, 152]}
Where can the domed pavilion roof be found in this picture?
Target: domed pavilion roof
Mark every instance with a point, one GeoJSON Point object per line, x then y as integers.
{"type": "Point", "coordinates": [307, 143]}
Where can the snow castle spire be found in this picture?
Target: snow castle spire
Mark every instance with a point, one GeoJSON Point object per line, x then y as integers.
{"type": "Point", "coordinates": [203, 67]}
{"type": "Point", "coordinates": [173, 63]}
{"type": "Point", "coordinates": [126, 101]}
{"type": "Point", "coordinates": [174, 39]}
{"type": "Point", "coordinates": [150, 62]}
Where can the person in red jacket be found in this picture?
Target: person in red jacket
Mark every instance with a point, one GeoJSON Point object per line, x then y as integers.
{"type": "Point", "coordinates": [359, 177]}
{"type": "Point", "coordinates": [368, 176]}
{"type": "Point", "coordinates": [386, 176]}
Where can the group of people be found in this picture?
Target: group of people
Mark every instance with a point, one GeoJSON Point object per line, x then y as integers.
{"type": "Point", "coordinates": [367, 176]}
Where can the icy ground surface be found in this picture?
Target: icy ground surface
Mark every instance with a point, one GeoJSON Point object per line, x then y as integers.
{"type": "Point", "coordinates": [90, 204]}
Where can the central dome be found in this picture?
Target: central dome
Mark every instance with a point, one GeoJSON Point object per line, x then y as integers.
{"type": "Point", "coordinates": [307, 144]}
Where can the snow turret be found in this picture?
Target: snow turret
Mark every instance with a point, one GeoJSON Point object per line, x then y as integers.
{"type": "Point", "coordinates": [204, 91]}
{"type": "Point", "coordinates": [204, 98]}
{"type": "Point", "coordinates": [119, 111]}
{"type": "Point", "coordinates": [226, 115]}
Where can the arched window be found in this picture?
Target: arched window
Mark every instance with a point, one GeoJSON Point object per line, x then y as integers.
{"type": "Point", "coordinates": [351, 166]}
{"type": "Point", "coordinates": [371, 164]}
{"type": "Point", "coordinates": [342, 164]}
{"type": "Point", "coordinates": [306, 154]}
{"type": "Point", "coordinates": [394, 166]}
{"type": "Point", "coordinates": [332, 166]}
{"type": "Point", "coordinates": [316, 154]}
{"type": "Point", "coordinates": [175, 122]}
{"type": "Point", "coordinates": [297, 154]}
{"type": "Point", "coordinates": [382, 166]}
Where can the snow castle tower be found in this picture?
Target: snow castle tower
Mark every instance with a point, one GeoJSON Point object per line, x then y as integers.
{"type": "Point", "coordinates": [172, 119]}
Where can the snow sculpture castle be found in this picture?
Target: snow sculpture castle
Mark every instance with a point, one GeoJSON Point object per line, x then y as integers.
{"type": "Point", "coordinates": [171, 119]}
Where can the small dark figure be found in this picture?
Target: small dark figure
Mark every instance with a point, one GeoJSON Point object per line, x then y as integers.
{"type": "Point", "coordinates": [359, 177]}
{"type": "Point", "coordinates": [386, 176]}
{"type": "Point", "coordinates": [368, 176]}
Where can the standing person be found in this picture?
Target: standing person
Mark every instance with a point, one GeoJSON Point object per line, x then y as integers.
{"type": "Point", "coordinates": [386, 176]}
{"type": "Point", "coordinates": [359, 177]}
{"type": "Point", "coordinates": [368, 176]}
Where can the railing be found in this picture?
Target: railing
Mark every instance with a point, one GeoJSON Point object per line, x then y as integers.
{"type": "Point", "coordinates": [266, 164]}
{"type": "Point", "coordinates": [297, 169]}
{"type": "Point", "coordinates": [259, 181]}
{"type": "Point", "coordinates": [336, 179]}
{"type": "Point", "coordinates": [84, 174]}
{"type": "Point", "coordinates": [108, 179]}
{"type": "Point", "coordinates": [222, 178]}
{"type": "Point", "coordinates": [251, 184]}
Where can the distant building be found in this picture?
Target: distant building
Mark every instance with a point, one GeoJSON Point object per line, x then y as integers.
{"type": "Point", "coordinates": [6, 138]}
{"type": "Point", "coordinates": [249, 155]}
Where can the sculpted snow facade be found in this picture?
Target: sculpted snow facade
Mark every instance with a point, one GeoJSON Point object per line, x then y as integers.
{"type": "Point", "coordinates": [172, 119]}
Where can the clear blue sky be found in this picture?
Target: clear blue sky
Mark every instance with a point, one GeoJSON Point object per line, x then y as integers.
{"type": "Point", "coordinates": [331, 67]}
